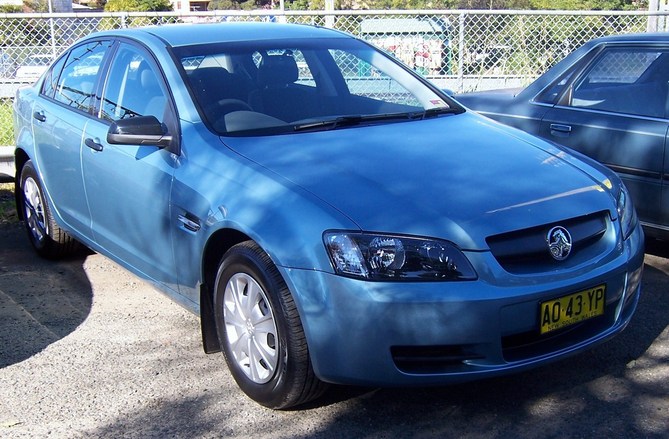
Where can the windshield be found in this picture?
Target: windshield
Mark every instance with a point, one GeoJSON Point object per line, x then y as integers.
{"type": "Point", "coordinates": [269, 87]}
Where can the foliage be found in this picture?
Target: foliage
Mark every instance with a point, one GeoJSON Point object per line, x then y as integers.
{"type": "Point", "coordinates": [133, 6]}
{"type": "Point", "coordinates": [138, 5]}
{"type": "Point", "coordinates": [237, 5]}
{"type": "Point", "coordinates": [468, 4]}
{"type": "Point", "coordinates": [10, 9]}
{"type": "Point", "coordinates": [37, 5]}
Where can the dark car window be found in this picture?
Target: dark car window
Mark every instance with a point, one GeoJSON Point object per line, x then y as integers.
{"type": "Point", "coordinates": [134, 87]}
{"type": "Point", "coordinates": [551, 94]}
{"type": "Point", "coordinates": [629, 81]}
{"type": "Point", "coordinates": [75, 85]}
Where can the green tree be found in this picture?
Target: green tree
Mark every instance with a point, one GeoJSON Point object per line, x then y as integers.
{"type": "Point", "coordinates": [138, 5]}
{"type": "Point", "coordinates": [10, 9]}
{"type": "Point", "coordinates": [215, 5]}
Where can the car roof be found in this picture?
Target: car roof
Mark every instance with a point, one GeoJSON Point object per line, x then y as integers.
{"type": "Point", "coordinates": [660, 37]}
{"type": "Point", "coordinates": [177, 35]}
{"type": "Point", "coordinates": [558, 69]}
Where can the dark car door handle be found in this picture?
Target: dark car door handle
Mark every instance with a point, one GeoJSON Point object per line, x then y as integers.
{"type": "Point", "coordinates": [560, 130]}
{"type": "Point", "coordinates": [93, 144]}
{"type": "Point", "coordinates": [39, 116]}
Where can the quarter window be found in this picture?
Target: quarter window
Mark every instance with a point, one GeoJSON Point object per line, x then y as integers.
{"type": "Point", "coordinates": [50, 84]}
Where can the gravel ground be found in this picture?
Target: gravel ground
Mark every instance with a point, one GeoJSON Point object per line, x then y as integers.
{"type": "Point", "coordinates": [87, 350]}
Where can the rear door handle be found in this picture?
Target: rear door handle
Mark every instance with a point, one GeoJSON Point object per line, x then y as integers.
{"type": "Point", "coordinates": [560, 130]}
{"type": "Point", "coordinates": [39, 115]}
{"type": "Point", "coordinates": [93, 144]}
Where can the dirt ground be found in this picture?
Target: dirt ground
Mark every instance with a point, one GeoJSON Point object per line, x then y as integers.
{"type": "Point", "coordinates": [88, 350]}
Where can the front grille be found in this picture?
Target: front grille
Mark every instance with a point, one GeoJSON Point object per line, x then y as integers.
{"type": "Point", "coordinates": [526, 251]}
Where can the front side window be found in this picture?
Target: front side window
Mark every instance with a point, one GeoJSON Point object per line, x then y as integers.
{"type": "Point", "coordinates": [74, 85]}
{"type": "Point", "coordinates": [629, 81]}
{"type": "Point", "coordinates": [292, 86]}
{"type": "Point", "coordinates": [134, 87]}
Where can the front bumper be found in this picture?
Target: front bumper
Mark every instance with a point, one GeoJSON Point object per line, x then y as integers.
{"type": "Point", "coordinates": [386, 334]}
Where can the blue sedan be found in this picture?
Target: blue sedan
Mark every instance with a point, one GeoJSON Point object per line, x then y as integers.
{"type": "Point", "coordinates": [330, 216]}
{"type": "Point", "coordinates": [608, 100]}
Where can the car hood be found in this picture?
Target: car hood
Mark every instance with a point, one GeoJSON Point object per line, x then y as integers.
{"type": "Point", "coordinates": [489, 100]}
{"type": "Point", "coordinates": [461, 178]}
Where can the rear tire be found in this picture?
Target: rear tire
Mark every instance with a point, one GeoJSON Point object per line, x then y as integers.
{"type": "Point", "coordinates": [48, 239]}
{"type": "Point", "coordinates": [260, 331]}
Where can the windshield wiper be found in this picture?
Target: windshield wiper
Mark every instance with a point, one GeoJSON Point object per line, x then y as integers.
{"type": "Point", "coordinates": [432, 112]}
{"type": "Point", "coordinates": [330, 123]}
{"type": "Point", "coordinates": [357, 119]}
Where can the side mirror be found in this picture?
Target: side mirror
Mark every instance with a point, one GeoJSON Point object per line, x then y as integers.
{"type": "Point", "coordinates": [140, 130]}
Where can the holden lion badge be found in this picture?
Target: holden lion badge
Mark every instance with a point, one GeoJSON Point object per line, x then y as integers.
{"type": "Point", "coordinates": [559, 243]}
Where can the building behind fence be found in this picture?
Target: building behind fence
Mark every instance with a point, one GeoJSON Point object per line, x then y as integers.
{"type": "Point", "coordinates": [458, 50]}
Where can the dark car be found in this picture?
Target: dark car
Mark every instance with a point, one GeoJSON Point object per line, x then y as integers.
{"type": "Point", "coordinates": [608, 100]}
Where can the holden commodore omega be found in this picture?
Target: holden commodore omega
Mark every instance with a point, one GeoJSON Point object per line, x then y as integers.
{"type": "Point", "coordinates": [331, 216]}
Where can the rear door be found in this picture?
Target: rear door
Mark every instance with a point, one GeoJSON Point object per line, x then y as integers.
{"type": "Point", "coordinates": [59, 116]}
{"type": "Point", "coordinates": [615, 112]}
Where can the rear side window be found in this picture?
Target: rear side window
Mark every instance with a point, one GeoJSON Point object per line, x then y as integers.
{"type": "Point", "coordinates": [628, 81]}
{"type": "Point", "coordinates": [75, 83]}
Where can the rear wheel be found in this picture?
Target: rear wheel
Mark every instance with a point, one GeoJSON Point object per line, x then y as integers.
{"type": "Point", "coordinates": [260, 330]}
{"type": "Point", "coordinates": [49, 240]}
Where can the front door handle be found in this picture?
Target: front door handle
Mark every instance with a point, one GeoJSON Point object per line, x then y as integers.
{"type": "Point", "coordinates": [559, 130]}
{"type": "Point", "coordinates": [96, 146]}
{"type": "Point", "coordinates": [39, 115]}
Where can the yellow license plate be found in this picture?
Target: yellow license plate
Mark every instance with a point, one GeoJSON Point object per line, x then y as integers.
{"type": "Point", "coordinates": [574, 308]}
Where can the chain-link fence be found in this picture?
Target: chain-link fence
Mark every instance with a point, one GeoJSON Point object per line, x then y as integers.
{"type": "Point", "coordinates": [459, 50]}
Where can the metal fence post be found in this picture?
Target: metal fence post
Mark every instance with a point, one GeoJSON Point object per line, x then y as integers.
{"type": "Point", "coordinates": [52, 30]}
{"type": "Point", "coordinates": [653, 6]}
{"type": "Point", "coordinates": [461, 52]}
{"type": "Point", "coordinates": [329, 19]}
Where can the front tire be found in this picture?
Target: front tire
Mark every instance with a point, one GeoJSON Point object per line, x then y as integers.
{"type": "Point", "coordinates": [260, 330]}
{"type": "Point", "coordinates": [48, 239]}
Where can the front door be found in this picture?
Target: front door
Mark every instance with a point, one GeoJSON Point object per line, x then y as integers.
{"type": "Point", "coordinates": [128, 186]}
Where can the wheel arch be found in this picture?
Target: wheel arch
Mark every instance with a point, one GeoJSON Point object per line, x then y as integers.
{"type": "Point", "coordinates": [20, 159]}
{"type": "Point", "coordinates": [217, 245]}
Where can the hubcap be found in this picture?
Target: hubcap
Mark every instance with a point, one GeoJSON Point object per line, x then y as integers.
{"type": "Point", "coordinates": [34, 209]}
{"type": "Point", "coordinates": [250, 328]}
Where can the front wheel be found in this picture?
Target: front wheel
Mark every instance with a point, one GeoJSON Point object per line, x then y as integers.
{"type": "Point", "coordinates": [48, 239]}
{"type": "Point", "coordinates": [260, 330]}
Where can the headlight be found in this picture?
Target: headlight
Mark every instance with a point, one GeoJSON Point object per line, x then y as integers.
{"type": "Point", "coordinates": [386, 257]}
{"type": "Point", "coordinates": [626, 212]}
